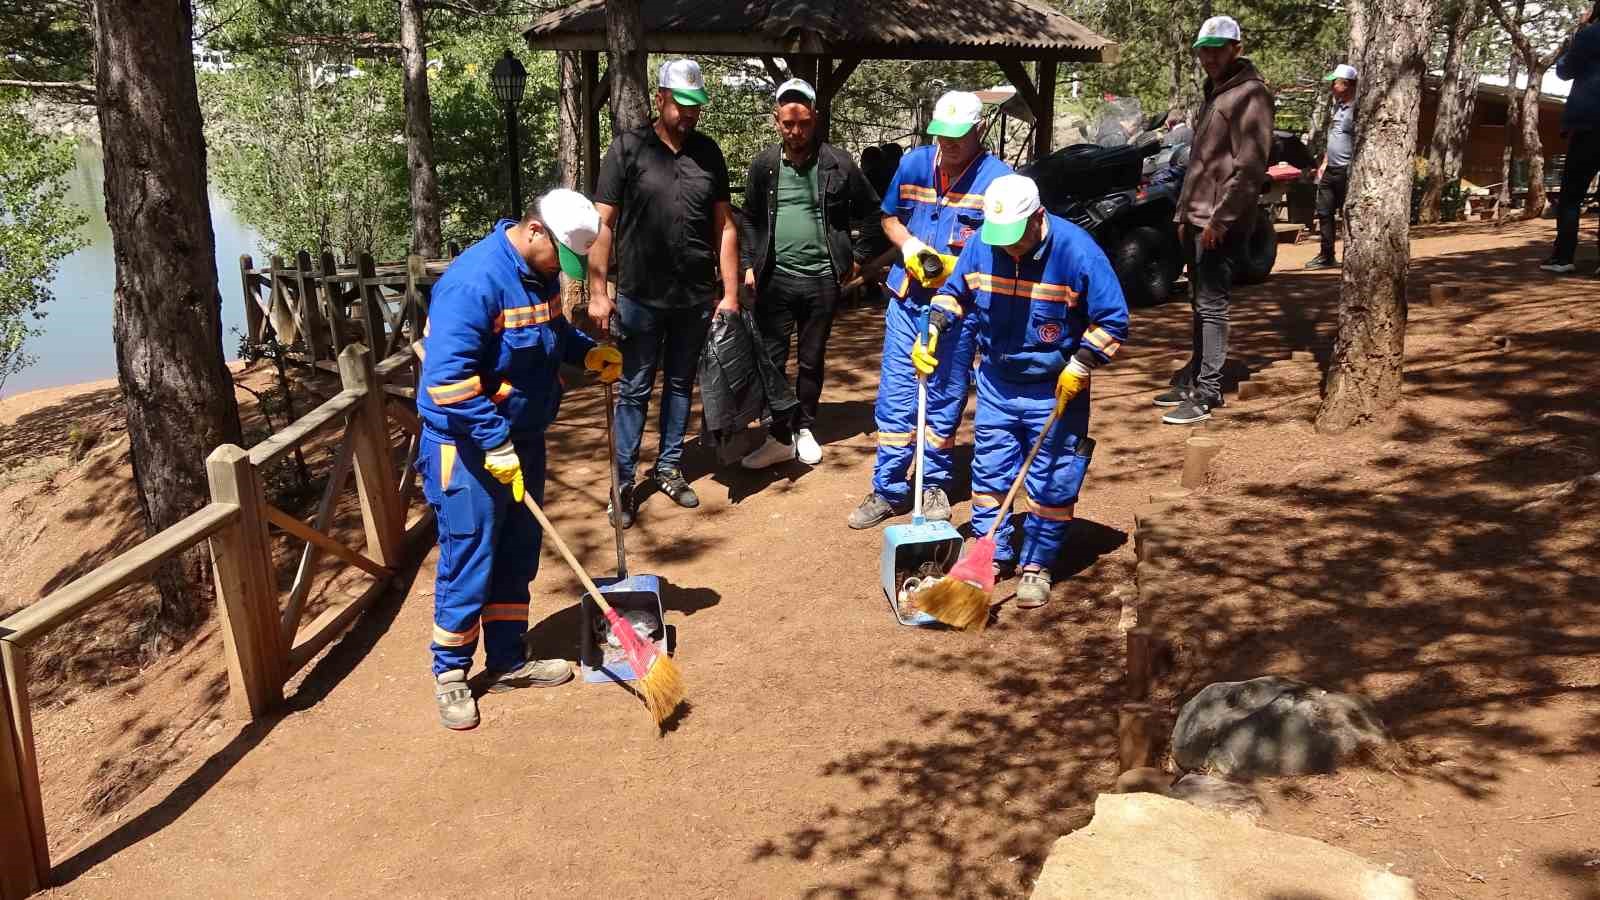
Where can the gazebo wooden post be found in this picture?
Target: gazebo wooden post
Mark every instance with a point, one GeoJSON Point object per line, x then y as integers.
{"type": "Point", "coordinates": [589, 109]}
{"type": "Point", "coordinates": [1044, 114]}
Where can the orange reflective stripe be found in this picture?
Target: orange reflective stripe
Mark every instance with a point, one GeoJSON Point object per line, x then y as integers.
{"type": "Point", "coordinates": [895, 438]}
{"type": "Point", "coordinates": [1053, 513]}
{"type": "Point", "coordinates": [947, 303]}
{"type": "Point", "coordinates": [447, 464]}
{"type": "Point", "coordinates": [523, 316]}
{"type": "Point", "coordinates": [505, 612]}
{"type": "Point", "coordinates": [444, 637]}
{"type": "Point", "coordinates": [984, 500]}
{"type": "Point", "coordinates": [1102, 341]}
{"type": "Point", "coordinates": [459, 392]}
{"type": "Point", "coordinates": [1027, 290]}
{"type": "Point", "coordinates": [937, 441]}
{"type": "Point", "coordinates": [416, 347]}
{"type": "Point", "coordinates": [964, 201]}
{"type": "Point", "coordinates": [918, 193]}
{"type": "Point", "coordinates": [502, 393]}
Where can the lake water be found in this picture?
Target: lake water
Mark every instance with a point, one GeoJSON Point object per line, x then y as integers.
{"type": "Point", "coordinates": [76, 343]}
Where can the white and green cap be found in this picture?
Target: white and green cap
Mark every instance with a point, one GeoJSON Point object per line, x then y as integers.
{"type": "Point", "coordinates": [682, 77]}
{"type": "Point", "coordinates": [1343, 71]}
{"type": "Point", "coordinates": [1217, 31]}
{"type": "Point", "coordinates": [1008, 203]}
{"type": "Point", "coordinates": [574, 223]}
{"type": "Point", "coordinates": [955, 114]}
{"type": "Point", "coordinates": [794, 86]}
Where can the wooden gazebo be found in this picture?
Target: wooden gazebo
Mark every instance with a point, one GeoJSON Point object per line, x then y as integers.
{"type": "Point", "coordinates": [824, 41]}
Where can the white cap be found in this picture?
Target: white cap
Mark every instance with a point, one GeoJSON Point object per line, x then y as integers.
{"type": "Point", "coordinates": [682, 77]}
{"type": "Point", "coordinates": [574, 223]}
{"type": "Point", "coordinates": [1216, 31]}
{"type": "Point", "coordinates": [796, 86]}
{"type": "Point", "coordinates": [955, 114]}
{"type": "Point", "coordinates": [1342, 71]}
{"type": "Point", "coordinates": [1008, 202]}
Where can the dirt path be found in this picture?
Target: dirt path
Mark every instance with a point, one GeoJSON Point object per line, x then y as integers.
{"type": "Point", "coordinates": [833, 753]}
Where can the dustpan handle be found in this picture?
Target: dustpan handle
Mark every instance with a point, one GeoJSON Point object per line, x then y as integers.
{"type": "Point", "coordinates": [922, 426]}
{"type": "Point", "coordinates": [616, 488]}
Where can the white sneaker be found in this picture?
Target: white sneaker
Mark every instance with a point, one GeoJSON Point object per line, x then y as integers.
{"type": "Point", "coordinates": [806, 448]}
{"type": "Point", "coordinates": [1559, 268]}
{"type": "Point", "coordinates": [769, 453]}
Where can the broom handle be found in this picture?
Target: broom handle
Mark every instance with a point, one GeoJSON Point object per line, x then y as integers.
{"type": "Point", "coordinates": [616, 488]}
{"type": "Point", "coordinates": [566, 554]}
{"type": "Point", "coordinates": [1016, 484]}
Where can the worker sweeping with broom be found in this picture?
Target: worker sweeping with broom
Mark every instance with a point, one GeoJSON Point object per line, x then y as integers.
{"type": "Point", "coordinates": [494, 344]}
{"type": "Point", "coordinates": [1046, 311]}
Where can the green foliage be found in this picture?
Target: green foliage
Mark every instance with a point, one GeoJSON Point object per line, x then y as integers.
{"type": "Point", "coordinates": [46, 40]}
{"type": "Point", "coordinates": [37, 228]}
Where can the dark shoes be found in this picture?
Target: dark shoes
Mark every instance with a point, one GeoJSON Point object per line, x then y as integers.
{"type": "Point", "coordinates": [874, 508]}
{"type": "Point", "coordinates": [1172, 397]}
{"type": "Point", "coordinates": [672, 483]}
{"type": "Point", "coordinates": [1322, 262]}
{"type": "Point", "coordinates": [1193, 409]}
{"type": "Point", "coordinates": [626, 493]}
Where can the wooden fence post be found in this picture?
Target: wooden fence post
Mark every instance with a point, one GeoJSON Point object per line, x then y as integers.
{"type": "Point", "coordinates": [311, 309]}
{"type": "Point", "coordinates": [338, 321]}
{"type": "Point", "coordinates": [24, 855]}
{"type": "Point", "coordinates": [247, 586]}
{"type": "Point", "coordinates": [416, 308]}
{"type": "Point", "coordinates": [371, 297]}
{"type": "Point", "coordinates": [375, 478]}
{"type": "Point", "coordinates": [253, 316]}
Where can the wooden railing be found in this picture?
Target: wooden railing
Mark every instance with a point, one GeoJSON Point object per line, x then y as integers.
{"type": "Point", "coordinates": [264, 641]}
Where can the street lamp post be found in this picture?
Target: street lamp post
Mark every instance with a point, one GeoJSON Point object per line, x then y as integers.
{"type": "Point", "coordinates": [508, 78]}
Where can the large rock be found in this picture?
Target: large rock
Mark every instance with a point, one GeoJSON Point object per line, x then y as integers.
{"type": "Point", "coordinates": [1273, 726]}
{"type": "Point", "coordinates": [1146, 845]}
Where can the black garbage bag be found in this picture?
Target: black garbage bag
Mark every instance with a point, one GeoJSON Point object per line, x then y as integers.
{"type": "Point", "coordinates": [739, 383]}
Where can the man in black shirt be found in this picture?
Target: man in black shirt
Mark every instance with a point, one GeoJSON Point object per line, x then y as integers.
{"type": "Point", "coordinates": [802, 198]}
{"type": "Point", "coordinates": [663, 190]}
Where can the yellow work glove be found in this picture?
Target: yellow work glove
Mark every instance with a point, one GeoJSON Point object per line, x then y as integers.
{"type": "Point", "coordinates": [604, 362]}
{"type": "Point", "coordinates": [1073, 379]}
{"type": "Point", "coordinates": [922, 356]}
{"type": "Point", "coordinates": [503, 464]}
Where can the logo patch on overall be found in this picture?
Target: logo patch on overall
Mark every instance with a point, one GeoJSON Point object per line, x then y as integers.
{"type": "Point", "coordinates": [1049, 332]}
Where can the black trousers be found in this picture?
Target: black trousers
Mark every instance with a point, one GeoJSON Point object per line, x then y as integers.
{"type": "Point", "coordinates": [1583, 161]}
{"type": "Point", "coordinates": [793, 305]}
{"type": "Point", "coordinates": [1330, 204]}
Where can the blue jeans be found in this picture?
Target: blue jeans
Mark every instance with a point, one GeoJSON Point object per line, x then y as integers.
{"type": "Point", "coordinates": [652, 338]}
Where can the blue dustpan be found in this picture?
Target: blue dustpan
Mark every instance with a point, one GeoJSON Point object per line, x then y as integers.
{"type": "Point", "coordinates": [922, 549]}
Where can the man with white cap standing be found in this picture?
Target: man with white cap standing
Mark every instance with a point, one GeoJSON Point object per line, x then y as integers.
{"type": "Point", "coordinates": [495, 340]}
{"type": "Point", "coordinates": [1333, 176]}
{"type": "Point", "coordinates": [933, 208]}
{"type": "Point", "coordinates": [664, 188]}
{"type": "Point", "coordinates": [1217, 207]}
{"type": "Point", "coordinates": [1047, 310]}
{"type": "Point", "coordinates": [802, 198]}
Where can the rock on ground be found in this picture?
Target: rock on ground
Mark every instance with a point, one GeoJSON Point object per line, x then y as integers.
{"type": "Point", "coordinates": [1273, 726]}
{"type": "Point", "coordinates": [1145, 845]}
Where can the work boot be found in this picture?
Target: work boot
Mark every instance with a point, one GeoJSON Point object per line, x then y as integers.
{"type": "Point", "coordinates": [770, 453]}
{"type": "Point", "coordinates": [935, 505]}
{"type": "Point", "coordinates": [626, 494]}
{"type": "Point", "coordinates": [457, 710]}
{"type": "Point", "coordinates": [532, 673]}
{"type": "Point", "coordinates": [874, 508]}
{"type": "Point", "coordinates": [1172, 397]}
{"type": "Point", "coordinates": [1192, 410]}
{"type": "Point", "coordinates": [1004, 568]}
{"type": "Point", "coordinates": [806, 447]}
{"type": "Point", "coordinates": [1033, 591]}
{"type": "Point", "coordinates": [672, 483]}
{"type": "Point", "coordinates": [1321, 262]}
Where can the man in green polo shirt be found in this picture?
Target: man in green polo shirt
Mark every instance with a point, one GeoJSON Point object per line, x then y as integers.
{"type": "Point", "coordinates": [802, 199]}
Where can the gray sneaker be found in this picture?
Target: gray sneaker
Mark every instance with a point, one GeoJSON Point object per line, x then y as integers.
{"type": "Point", "coordinates": [873, 509]}
{"type": "Point", "coordinates": [533, 673]}
{"type": "Point", "coordinates": [457, 710]}
{"type": "Point", "coordinates": [935, 505]}
{"type": "Point", "coordinates": [1033, 590]}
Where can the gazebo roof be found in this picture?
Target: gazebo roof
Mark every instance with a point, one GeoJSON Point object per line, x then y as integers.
{"type": "Point", "coordinates": [880, 29]}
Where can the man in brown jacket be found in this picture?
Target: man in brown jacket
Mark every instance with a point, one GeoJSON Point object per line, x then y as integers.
{"type": "Point", "coordinates": [1227, 166]}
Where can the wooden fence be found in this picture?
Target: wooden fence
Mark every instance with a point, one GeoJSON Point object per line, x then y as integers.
{"type": "Point", "coordinates": [264, 640]}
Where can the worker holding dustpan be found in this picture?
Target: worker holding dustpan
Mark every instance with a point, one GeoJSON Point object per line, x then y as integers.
{"type": "Point", "coordinates": [933, 208]}
{"type": "Point", "coordinates": [493, 347]}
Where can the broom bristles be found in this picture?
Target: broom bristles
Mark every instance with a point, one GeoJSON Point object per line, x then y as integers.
{"type": "Point", "coordinates": [659, 680]}
{"type": "Point", "coordinates": [957, 603]}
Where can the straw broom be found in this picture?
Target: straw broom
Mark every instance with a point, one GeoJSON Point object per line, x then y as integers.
{"type": "Point", "coordinates": [659, 680]}
{"type": "Point", "coordinates": [961, 598]}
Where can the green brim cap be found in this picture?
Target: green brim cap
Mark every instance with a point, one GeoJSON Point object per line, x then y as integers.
{"type": "Point", "coordinates": [1330, 77]}
{"type": "Point", "coordinates": [689, 96]}
{"type": "Point", "coordinates": [949, 129]}
{"type": "Point", "coordinates": [575, 266]}
{"type": "Point", "coordinates": [1212, 42]}
{"type": "Point", "coordinates": [997, 234]}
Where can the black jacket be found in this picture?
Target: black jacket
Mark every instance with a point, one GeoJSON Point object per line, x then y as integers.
{"type": "Point", "coordinates": [848, 200]}
{"type": "Point", "coordinates": [1581, 64]}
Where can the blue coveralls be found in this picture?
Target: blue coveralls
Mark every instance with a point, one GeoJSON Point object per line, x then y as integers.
{"type": "Point", "coordinates": [1061, 301]}
{"type": "Point", "coordinates": [945, 221]}
{"type": "Point", "coordinates": [491, 359]}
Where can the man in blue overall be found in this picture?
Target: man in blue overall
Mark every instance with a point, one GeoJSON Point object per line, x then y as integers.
{"type": "Point", "coordinates": [932, 208]}
{"type": "Point", "coordinates": [491, 356]}
{"type": "Point", "coordinates": [1045, 310]}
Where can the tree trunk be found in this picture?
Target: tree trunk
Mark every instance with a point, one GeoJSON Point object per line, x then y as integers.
{"type": "Point", "coordinates": [569, 121]}
{"type": "Point", "coordinates": [1457, 93]}
{"type": "Point", "coordinates": [1532, 145]}
{"type": "Point", "coordinates": [1317, 130]}
{"type": "Point", "coordinates": [1509, 145]}
{"type": "Point", "coordinates": [167, 313]}
{"type": "Point", "coordinates": [425, 239]}
{"type": "Point", "coordinates": [1364, 378]}
{"type": "Point", "coordinates": [630, 100]}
